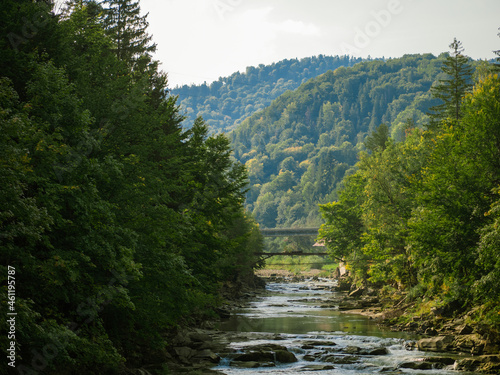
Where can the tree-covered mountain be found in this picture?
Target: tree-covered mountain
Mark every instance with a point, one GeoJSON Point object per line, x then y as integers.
{"type": "Point", "coordinates": [298, 149]}
{"type": "Point", "coordinates": [226, 102]}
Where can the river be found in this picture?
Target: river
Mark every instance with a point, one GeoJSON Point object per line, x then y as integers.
{"type": "Point", "coordinates": [300, 317]}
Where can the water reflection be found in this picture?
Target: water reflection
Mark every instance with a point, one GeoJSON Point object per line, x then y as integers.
{"type": "Point", "coordinates": [289, 309]}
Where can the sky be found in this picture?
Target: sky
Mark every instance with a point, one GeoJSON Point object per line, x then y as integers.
{"type": "Point", "coordinates": [201, 40]}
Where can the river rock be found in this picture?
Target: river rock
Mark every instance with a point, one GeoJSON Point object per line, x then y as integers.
{"type": "Point", "coordinates": [241, 364]}
{"type": "Point", "coordinates": [284, 356]}
{"type": "Point", "coordinates": [266, 353]}
{"type": "Point", "coordinates": [255, 356]}
{"type": "Point", "coordinates": [350, 305]}
{"type": "Point", "coordinates": [184, 352]}
{"type": "Point", "coordinates": [435, 344]}
{"type": "Point", "coordinates": [310, 358]}
{"type": "Point", "coordinates": [341, 359]}
{"type": "Point", "coordinates": [351, 350]}
{"type": "Point", "coordinates": [464, 329]}
{"type": "Point", "coordinates": [317, 367]}
{"type": "Point", "coordinates": [313, 343]}
{"type": "Point", "coordinates": [472, 343]}
{"type": "Point", "coordinates": [378, 351]}
{"type": "Point", "coordinates": [357, 292]}
{"type": "Point", "coordinates": [468, 364]}
{"type": "Point", "coordinates": [489, 364]}
{"type": "Point", "coordinates": [267, 347]}
{"type": "Point", "coordinates": [417, 365]}
{"type": "Point", "coordinates": [440, 362]}
{"type": "Point", "coordinates": [207, 356]}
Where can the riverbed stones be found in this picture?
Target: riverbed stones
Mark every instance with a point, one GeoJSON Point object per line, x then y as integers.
{"type": "Point", "coordinates": [318, 367]}
{"type": "Point", "coordinates": [341, 359]}
{"type": "Point", "coordinates": [265, 353]}
{"type": "Point", "coordinates": [255, 356]}
{"type": "Point", "coordinates": [435, 344]}
{"type": "Point", "coordinates": [310, 344]}
{"type": "Point", "coordinates": [358, 292]}
{"type": "Point", "coordinates": [284, 356]}
{"type": "Point", "coordinates": [472, 343]}
{"type": "Point", "coordinates": [440, 362]}
{"type": "Point", "coordinates": [378, 351]}
{"type": "Point", "coordinates": [489, 364]}
{"type": "Point", "coordinates": [417, 365]}
{"type": "Point", "coordinates": [246, 364]}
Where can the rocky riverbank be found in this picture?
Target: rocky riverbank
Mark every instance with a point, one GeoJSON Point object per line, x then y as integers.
{"type": "Point", "coordinates": [450, 342]}
{"type": "Point", "coordinates": [442, 331]}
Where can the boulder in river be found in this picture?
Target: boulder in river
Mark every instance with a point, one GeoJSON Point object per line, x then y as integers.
{"type": "Point", "coordinates": [417, 365]}
{"type": "Point", "coordinates": [241, 364]}
{"type": "Point", "coordinates": [255, 356]}
{"type": "Point", "coordinates": [284, 356]}
{"type": "Point", "coordinates": [340, 359]}
{"type": "Point", "coordinates": [378, 351]}
{"type": "Point", "coordinates": [317, 367]}
{"type": "Point", "coordinates": [266, 353]}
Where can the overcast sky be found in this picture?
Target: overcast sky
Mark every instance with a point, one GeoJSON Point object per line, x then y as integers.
{"type": "Point", "coordinates": [202, 40]}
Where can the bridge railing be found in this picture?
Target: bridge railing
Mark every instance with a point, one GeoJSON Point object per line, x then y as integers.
{"type": "Point", "coordinates": [288, 232]}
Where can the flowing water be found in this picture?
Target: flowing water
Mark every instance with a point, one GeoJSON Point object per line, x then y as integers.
{"type": "Point", "coordinates": [290, 314]}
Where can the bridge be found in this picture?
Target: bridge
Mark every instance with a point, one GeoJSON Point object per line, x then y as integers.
{"type": "Point", "coordinates": [288, 232]}
{"type": "Point", "coordinates": [291, 232]}
{"type": "Point", "coordinates": [293, 253]}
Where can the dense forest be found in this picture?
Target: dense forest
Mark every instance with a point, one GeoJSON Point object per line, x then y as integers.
{"type": "Point", "coordinates": [420, 215]}
{"type": "Point", "coordinates": [298, 150]}
{"type": "Point", "coordinates": [123, 213]}
{"type": "Point", "coordinates": [115, 224]}
{"type": "Point", "coordinates": [225, 103]}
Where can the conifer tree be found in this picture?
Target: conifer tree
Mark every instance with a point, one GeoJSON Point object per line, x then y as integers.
{"type": "Point", "coordinates": [452, 89]}
{"type": "Point", "coordinates": [497, 52]}
{"type": "Point", "coordinates": [127, 28]}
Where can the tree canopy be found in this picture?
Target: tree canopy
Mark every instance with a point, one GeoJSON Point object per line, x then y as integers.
{"type": "Point", "coordinates": [119, 225]}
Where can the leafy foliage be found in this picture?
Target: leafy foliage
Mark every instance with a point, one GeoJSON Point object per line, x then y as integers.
{"type": "Point", "coordinates": [421, 214]}
{"type": "Point", "coordinates": [120, 224]}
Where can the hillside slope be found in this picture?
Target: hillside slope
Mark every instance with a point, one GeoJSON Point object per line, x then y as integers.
{"type": "Point", "coordinates": [299, 148]}
{"type": "Point", "coordinates": [226, 102]}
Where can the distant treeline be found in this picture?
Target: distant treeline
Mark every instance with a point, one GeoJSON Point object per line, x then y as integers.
{"type": "Point", "coordinates": [225, 103]}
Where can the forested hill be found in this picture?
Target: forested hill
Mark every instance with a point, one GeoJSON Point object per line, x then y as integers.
{"type": "Point", "coordinates": [299, 148]}
{"type": "Point", "coordinates": [226, 102]}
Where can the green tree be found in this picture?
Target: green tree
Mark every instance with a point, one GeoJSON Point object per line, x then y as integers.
{"type": "Point", "coordinates": [378, 139]}
{"type": "Point", "coordinates": [455, 194]}
{"type": "Point", "coordinates": [343, 225]}
{"type": "Point", "coordinates": [453, 88]}
{"type": "Point", "coordinates": [128, 30]}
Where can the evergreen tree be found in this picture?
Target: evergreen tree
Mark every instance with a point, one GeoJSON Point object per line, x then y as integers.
{"type": "Point", "coordinates": [378, 139]}
{"type": "Point", "coordinates": [127, 29]}
{"type": "Point", "coordinates": [497, 52]}
{"type": "Point", "coordinates": [452, 89]}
